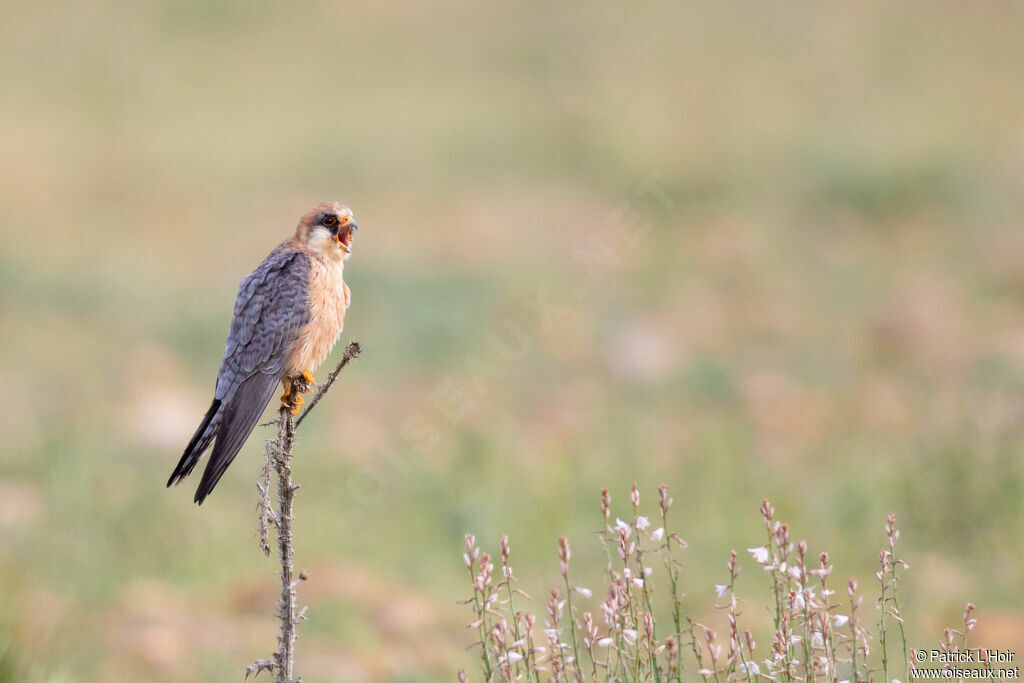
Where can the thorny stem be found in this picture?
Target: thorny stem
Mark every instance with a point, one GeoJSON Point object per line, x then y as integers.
{"type": "Point", "coordinates": [266, 508]}
{"type": "Point", "coordinates": [285, 656]}
{"type": "Point", "coordinates": [278, 458]}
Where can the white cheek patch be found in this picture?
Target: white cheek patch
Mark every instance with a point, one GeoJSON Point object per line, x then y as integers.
{"type": "Point", "coordinates": [320, 240]}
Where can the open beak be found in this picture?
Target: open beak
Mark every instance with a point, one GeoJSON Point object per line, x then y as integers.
{"type": "Point", "coordinates": [345, 235]}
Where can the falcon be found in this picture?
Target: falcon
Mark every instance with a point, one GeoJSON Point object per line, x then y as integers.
{"type": "Point", "coordinates": [289, 313]}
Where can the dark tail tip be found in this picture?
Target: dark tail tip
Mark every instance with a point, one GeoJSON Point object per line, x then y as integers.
{"type": "Point", "coordinates": [196, 446]}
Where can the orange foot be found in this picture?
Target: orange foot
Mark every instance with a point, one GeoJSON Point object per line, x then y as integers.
{"type": "Point", "coordinates": [286, 401]}
{"type": "Point", "coordinates": [308, 376]}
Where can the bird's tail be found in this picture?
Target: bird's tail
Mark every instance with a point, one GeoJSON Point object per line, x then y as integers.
{"type": "Point", "coordinates": [201, 440]}
{"type": "Point", "coordinates": [236, 422]}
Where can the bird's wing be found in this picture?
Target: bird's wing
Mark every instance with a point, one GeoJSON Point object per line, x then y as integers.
{"type": "Point", "coordinates": [272, 305]}
{"type": "Point", "coordinates": [271, 308]}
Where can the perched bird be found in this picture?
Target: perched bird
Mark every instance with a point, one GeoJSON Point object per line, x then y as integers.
{"type": "Point", "coordinates": [288, 316]}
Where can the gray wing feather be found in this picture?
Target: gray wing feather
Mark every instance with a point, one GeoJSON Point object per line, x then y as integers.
{"type": "Point", "coordinates": [271, 308]}
{"type": "Point", "coordinates": [240, 416]}
{"type": "Point", "coordinates": [272, 305]}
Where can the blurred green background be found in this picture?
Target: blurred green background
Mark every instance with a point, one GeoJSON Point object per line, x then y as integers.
{"type": "Point", "coordinates": [818, 298]}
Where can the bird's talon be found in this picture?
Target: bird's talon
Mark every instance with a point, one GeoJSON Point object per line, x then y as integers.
{"type": "Point", "coordinates": [308, 376]}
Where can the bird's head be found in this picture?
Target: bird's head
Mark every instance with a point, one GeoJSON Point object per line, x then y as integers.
{"type": "Point", "coordinates": [327, 230]}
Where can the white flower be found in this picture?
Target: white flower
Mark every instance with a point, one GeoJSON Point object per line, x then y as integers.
{"type": "Point", "coordinates": [760, 554]}
{"type": "Point", "coordinates": [795, 573]}
{"type": "Point", "coordinates": [627, 572]}
{"type": "Point", "coordinates": [720, 589]}
{"type": "Point", "coordinates": [629, 635]}
{"type": "Point", "coordinates": [551, 632]}
{"type": "Point", "coordinates": [518, 643]}
{"type": "Point", "coordinates": [750, 668]}
{"type": "Point", "coordinates": [619, 524]}
{"type": "Point", "coordinates": [605, 642]}
{"type": "Point", "coordinates": [650, 570]}
{"type": "Point", "coordinates": [642, 522]}
{"type": "Point", "coordinates": [638, 582]}
{"type": "Point", "coordinates": [585, 592]}
{"type": "Point", "coordinates": [840, 620]}
{"type": "Point", "coordinates": [822, 573]}
{"type": "Point", "coordinates": [515, 657]}
{"type": "Point", "coordinates": [817, 640]}
{"type": "Point", "coordinates": [658, 534]}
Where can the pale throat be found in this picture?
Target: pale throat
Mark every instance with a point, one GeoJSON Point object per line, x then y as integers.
{"type": "Point", "coordinates": [326, 246]}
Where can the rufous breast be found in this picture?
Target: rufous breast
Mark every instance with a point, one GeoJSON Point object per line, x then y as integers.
{"type": "Point", "coordinates": [329, 297]}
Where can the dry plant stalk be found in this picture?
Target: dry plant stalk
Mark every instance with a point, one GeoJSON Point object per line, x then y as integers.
{"type": "Point", "coordinates": [279, 459]}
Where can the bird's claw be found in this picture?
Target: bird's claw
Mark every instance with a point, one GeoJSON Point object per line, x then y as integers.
{"type": "Point", "coordinates": [288, 401]}
{"type": "Point", "coordinates": [308, 376]}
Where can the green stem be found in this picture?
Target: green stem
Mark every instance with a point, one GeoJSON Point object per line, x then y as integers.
{"type": "Point", "coordinates": [515, 620]}
{"type": "Point", "coordinates": [481, 616]}
{"type": "Point", "coordinates": [572, 628]}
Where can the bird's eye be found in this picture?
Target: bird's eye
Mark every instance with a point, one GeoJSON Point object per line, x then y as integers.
{"type": "Point", "coordinates": [329, 221]}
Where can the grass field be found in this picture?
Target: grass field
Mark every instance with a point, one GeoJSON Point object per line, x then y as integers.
{"type": "Point", "coordinates": [813, 292]}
